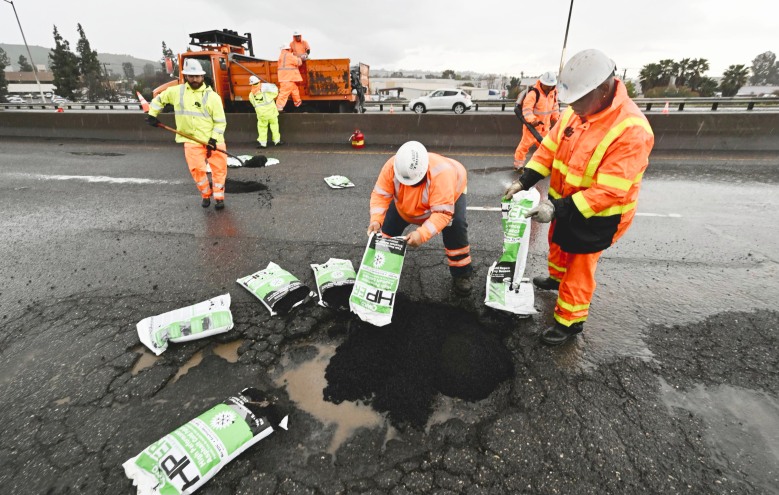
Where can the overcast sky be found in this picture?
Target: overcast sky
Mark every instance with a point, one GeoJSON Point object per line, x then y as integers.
{"type": "Point", "coordinates": [504, 37]}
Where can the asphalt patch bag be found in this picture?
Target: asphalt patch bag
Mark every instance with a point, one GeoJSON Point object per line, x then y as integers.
{"type": "Point", "coordinates": [373, 296]}
{"type": "Point", "coordinates": [198, 321]}
{"type": "Point", "coordinates": [507, 289]}
{"type": "Point", "coordinates": [276, 288]}
{"type": "Point", "coordinates": [182, 461]}
{"type": "Point", "coordinates": [334, 282]}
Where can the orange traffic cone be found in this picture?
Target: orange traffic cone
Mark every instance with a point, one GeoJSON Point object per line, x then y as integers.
{"type": "Point", "coordinates": [665, 108]}
{"type": "Point", "coordinates": [392, 109]}
{"type": "Point", "coordinates": [144, 103]}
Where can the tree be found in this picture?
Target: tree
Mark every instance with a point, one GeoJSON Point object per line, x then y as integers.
{"type": "Point", "coordinates": [631, 89]}
{"type": "Point", "coordinates": [707, 87]}
{"type": "Point", "coordinates": [91, 71]}
{"type": "Point", "coordinates": [64, 66]}
{"type": "Point", "coordinates": [765, 70]}
{"type": "Point", "coordinates": [4, 62]}
{"type": "Point", "coordinates": [733, 79]}
{"type": "Point", "coordinates": [650, 77]}
{"type": "Point", "coordinates": [512, 88]}
{"type": "Point", "coordinates": [397, 74]}
{"type": "Point", "coordinates": [448, 74]}
{"type": "Point", "coordinates": [24, 65]}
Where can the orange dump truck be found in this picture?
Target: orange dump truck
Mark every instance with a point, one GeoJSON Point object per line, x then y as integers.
{"type": "Point", "coordinates": [329, 85]}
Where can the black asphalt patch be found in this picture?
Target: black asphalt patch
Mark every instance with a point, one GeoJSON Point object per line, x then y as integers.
{"type": "Point", "coordinates": [428, 348]}
{"type": "Point", "coordinates": [238, 186]}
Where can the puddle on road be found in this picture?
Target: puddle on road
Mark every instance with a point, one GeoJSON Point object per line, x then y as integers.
{"type": "Point", "coordinates": [92, 153]}
{"type": "Point", "coordinates": [743, 426]}
{"type": "Point", "coordinates": [195, 360]}
{"type": "Point", "coordinates": [146, 360]}
{"type": "Point", "coordinates": [229, 351]}
{"type": "Point", "coordinates": [305, 384]}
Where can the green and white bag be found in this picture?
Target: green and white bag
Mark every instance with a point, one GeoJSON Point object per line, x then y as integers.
{"type": "Point", "coordinates": [182, 461]}
{"type": "Point", "coordinates": [338, 182]}
{"type": "Point", "coordinates": [373, 296]}
{"type": "Point", "coordinates": [198, 321]}
{"type": "Point", "coordinates": [276, 288]}
{"type": "Point", "coordinates": [507, 290]}
{"type": "Point", "coordinates": [334, 282]}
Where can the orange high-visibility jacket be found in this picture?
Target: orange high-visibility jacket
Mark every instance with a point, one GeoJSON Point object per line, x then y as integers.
{"type": "Point", "coordinates": [288, 67]}
{"type": "Point", "coordinates": [540, 106]}
{"type": "Point", "coordinates": [299, 47]}
{"type": "Point", "coordinates": [430, 204]}
{"type": "Point", "coordinates": [598, 161]}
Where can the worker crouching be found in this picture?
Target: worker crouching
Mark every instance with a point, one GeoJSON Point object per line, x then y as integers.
{"type": "Point", "coordinates": [199, 113]}
{"type": "Point", "coordinates": [595, 158]}
{"type": "Point", "coordinates": [427, 190]}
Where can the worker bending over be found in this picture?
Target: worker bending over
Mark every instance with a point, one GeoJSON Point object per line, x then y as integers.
{"type": "Point", "coordinates": [595, 158]}
{"type": "Point", "coordinates": [289, 76]}
{"type": "Point", "coordinates": [263, 99]}
{"type": "Point", "coordinates": [200, 114]}
{"type": "Point", "coordinates": [428, 190]}
{"type": "Point", "coordinates": [538, 108]}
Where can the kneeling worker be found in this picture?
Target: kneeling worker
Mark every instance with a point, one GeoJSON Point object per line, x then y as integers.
{"type": "Point", "coordinates": [263, 99]}
{"type": "Point", "coordinates": [428, 190]}
{"type": "Point", "coordinates": [595, 157]}
{"type": "Point", "coordinates": [199, 113]}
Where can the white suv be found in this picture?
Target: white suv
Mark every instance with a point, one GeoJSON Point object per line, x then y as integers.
{"type": "Point", "coordinates": [455, 100]}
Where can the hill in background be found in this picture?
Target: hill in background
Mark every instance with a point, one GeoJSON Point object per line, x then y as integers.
{"type": "Point", "coordinates": [40, 56]}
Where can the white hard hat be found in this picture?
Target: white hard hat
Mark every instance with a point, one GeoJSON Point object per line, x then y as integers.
{"type": "Point", "coordinates": [254, 80]}
{"type": "Point", "coordinates": [411, 163]}
{"type": "Point", "coordinates": [296, 33]}
{"type": "Point", "coordinates": [584, 72]}
{"type": "Point", "coordinates": [548, 78]}
{"type": "Point", "coordinates": [193, 68]}
{"type": "Point", "coordinates": [284, 47]}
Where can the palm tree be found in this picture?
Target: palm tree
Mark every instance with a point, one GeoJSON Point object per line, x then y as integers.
{"type": "Point", "coordinates": [650, 76]}
{"type": "Point", "coordinates": [733, 79]}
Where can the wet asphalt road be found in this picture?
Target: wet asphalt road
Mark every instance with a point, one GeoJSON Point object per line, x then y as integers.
{"type": "Point", "coordinates": [674, 387]}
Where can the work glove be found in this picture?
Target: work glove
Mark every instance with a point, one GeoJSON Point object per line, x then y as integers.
{"type": "Point", "coordinates": [414, 239]}
{"type": "Point", "coordinates": [543, 213]}
{"type": "Point", "coordinates": [152, 121]}
{"type": "Point", "coordinates": [211, 144]}
{"type": "Point", "coordinates": [513, 189]}
{"type": "Point", "coordinates": [374, 227]}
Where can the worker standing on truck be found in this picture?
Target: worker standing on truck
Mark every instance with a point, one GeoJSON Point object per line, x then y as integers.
{"type": "Point", "coordinates": [536, 107]}
{"type": "Point", "coordinates": [263, 99]}
{"type": "Point", "coordinates": [595, 158]}
{"type": "Point", "coordinates": [199, 113]}
{"type": "Point", "coordinates": [428, 190]}
{"type": "Point", "coordinates": [289, 76]}
{"type": "Point", "coordinates": [299, 46]}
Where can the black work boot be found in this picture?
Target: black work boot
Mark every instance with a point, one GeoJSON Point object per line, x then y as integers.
{"type": "Point", "coordinates": [261, 146]}
{"type": "Point", "coordinates": [546, 283]}
{"type": "Point", "coordinates": [462, 285]}
{"type": "Point", "coordinates": [206, 202]}
{"type": "Point", "coordinates": [220, 203]}
{"type": "Point", "coordinates": [560, 334]}
{"type": "Point", "coordinates": [279, 143]}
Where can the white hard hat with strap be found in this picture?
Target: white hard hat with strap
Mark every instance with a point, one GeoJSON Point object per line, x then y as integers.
{"type": "Point", "coordinates": [584, 72]}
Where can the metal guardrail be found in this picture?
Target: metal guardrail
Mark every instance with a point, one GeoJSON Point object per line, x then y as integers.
{"type": "Point", "coordinates": [104, 105]}
{"type": "Point", "coordinates": [647, 104]}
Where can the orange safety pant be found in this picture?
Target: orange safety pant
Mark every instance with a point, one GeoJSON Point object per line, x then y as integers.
{"type": "Point", "coordinates": [196, 156]}
{"type": "Point", "coordinates": [576, 274]}
{"type": "Point", "coordinates": [525, 143]}
{"type": "Point", "coordinates": [287, 88]}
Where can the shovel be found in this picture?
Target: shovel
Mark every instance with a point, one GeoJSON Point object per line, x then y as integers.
{"type": "Point", "coordinates": [255, 161]}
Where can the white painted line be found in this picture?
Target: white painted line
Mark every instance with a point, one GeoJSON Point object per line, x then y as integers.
{"type": "Point", "coordinates": [98, 178]}
{"type": "Point", "coordinates": [661, 215]}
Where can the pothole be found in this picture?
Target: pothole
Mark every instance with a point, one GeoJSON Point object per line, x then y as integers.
{"type": "Point", "coordinates": [93, 153]}
{"type": "Point", "coordinates": [238, 186]}
{"type": "Point", "coordinates": [195, 360]}
{"type": "Point", "coordinates": [400, 369]}
{"type": "Point", "coordinates": [146, 359]}
{"type": "Point", "coordinates": [229, 350]}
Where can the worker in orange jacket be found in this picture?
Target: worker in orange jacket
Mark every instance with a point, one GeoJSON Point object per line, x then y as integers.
{"type": "Point", "coordinates": [299, 46]}
{"type": "Point", "coordinates": [428, 190]}
{"type": "Point", "coordinates": [595, 158]}
{"type": "Point", "coordinates": [288, 76]}
{"type": "Point", "coordinates": [539, 109]}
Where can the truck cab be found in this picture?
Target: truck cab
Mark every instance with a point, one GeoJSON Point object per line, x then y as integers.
{"type": "Point", "coordinates": [329, 85]}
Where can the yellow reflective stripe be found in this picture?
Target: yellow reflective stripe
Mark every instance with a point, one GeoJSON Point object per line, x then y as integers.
{"type": "Point", "coordinates": [617, 210]}
{"type": "Point", "coordinates": [609, 138]}
{"type": "Point", "coordinates": [534, 165]}
{"type": "Point", "coordinates": [574, 180]}
{"type": "Point", "coordinates": [564, 122]}
{"type": "Point", "coordinates": [559, 165]}
{"type": "Point", "coordinates": [582, 205]}
{"type": "Point", "coordinates": [639, 177]}
{"type": "Point", "coordinates": [549, 144]}
{"type": "Point", "coordinates": [554, 194]}
{"type": "Point", "coordinates": [567, 322]}
{"type": "Point", "coordinates": [571, 307]}
{"type": "Point", "coordinates": [554, 278]}
{"type": "Point", "coordinates": [613, 181]}
{"type": "Point", "coordinates": [558, 268]}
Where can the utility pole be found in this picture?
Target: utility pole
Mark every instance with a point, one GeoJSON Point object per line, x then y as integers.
{"type": "Point", "coordinates": [34, 68]}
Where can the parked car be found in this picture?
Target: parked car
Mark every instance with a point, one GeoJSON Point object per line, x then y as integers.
{"type": "Point", "coordinates": [15, 99]}
{"type": "Point", "coordinates": [455, 100]}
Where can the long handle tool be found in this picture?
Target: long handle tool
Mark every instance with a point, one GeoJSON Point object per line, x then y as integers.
{"type": "Point", "coordinates": [255, 161]}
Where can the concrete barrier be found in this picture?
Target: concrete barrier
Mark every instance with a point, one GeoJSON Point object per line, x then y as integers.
{"type": "Point", "coordinates": [709, 131]}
